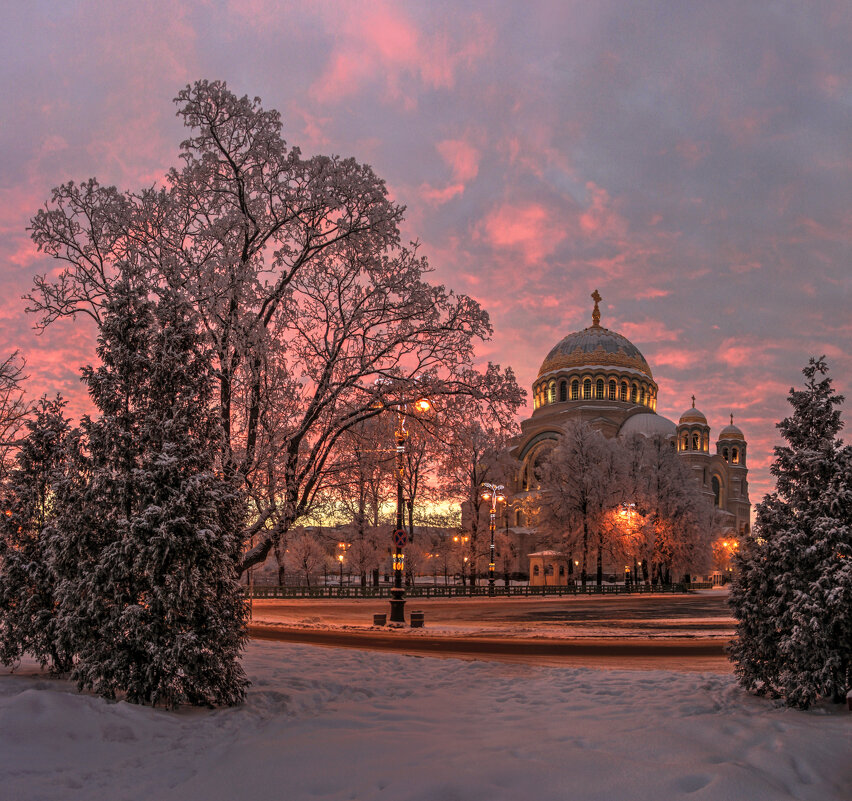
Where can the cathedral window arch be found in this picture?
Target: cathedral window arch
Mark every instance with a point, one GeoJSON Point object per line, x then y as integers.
{"type": "Point", "coordinates": [725, 454]}
{"type": "Point", "coordinates": [642, 396]}
{"type": "Point", "coordinates": [612, 390]}
{"type": "Point", "coordinates": [563, 390]}
{"type": "Point", "coordinates": [735, 456]}
{"type": "Point", "coordinates": [684, 441]}
{"type": "Point", "coordinates": [599, 389]}
{"type": "Point", "coordinates": [634, 393]}
{"type": "Point", "coordinates": [695, 440]}
{"type": "Point", "coordinates": [624, 391]}
{"type": "Point", "coordinates": [717, 491]}
{"type": "Point", "coordinates": [705, 446]}
{"type": "Point", "coordinates": [551, 395]}
{"type": "Point", "coordinates": [575, 390]}
{"type": "Point", "coordinates": [587, 388]}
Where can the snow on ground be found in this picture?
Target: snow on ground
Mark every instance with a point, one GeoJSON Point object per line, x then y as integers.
{"type": "Point", "coordinates": [325, 723]}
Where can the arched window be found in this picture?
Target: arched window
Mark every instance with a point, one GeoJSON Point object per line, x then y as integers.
{"type": "Point", "coordinates": [717, 491]}
{"type": "Point", "coordinates": [575, 390]}
{"type": "Point", "coordinates": [599, 387]}
{"type": "Point", "coordinates": [519, 518]}
{"type": "Point", "coordinates": [624, 391]}
{"type": "Point", "coordinates": [587, 389]}
{"type": "Point", "coordinates": [705, 446]}
{"type": "Point", "coordinates": [735, 456]}
{"type": "Point", "coordinates": [725, 454]}
{"type": "Point", "coordinates": [563, 390]}
{"type": "Point", "coordinates": [535, 570]}
{"type": "Point", "coordinates": [695, 442]}
{"type": "Point", "coordinates": [633, 393]}
{"type": "Point", "coordinates": [612, 391]}
{"type": "Point", "coordinates": [642, 396]}
{"type": "Point", "coordinates": [684, 441]}
{"type": "Point", "coordinates": [551, 396]}
{"type": "Point", "coordinates": [561, 570]}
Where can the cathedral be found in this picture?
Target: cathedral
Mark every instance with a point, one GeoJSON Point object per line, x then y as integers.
{"type": "Point", "coordinates": [601, 378]}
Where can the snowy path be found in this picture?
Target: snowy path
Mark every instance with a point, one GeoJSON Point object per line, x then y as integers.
{"type": "Point", "coordinates": [343, 724]}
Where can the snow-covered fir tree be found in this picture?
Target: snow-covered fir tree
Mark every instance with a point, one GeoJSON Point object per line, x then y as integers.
{"type": "Point", "coordinates": [147, 549]}
{"type": "Point", "coordinates": [27, 582]}
{"type": "Point", "coordinates": [792, 592]}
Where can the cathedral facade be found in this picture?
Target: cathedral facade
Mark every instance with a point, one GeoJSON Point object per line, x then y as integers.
{"type": "Point", "coordinates": [599, 377]}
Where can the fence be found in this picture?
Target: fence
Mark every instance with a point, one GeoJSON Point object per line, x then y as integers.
{"type": "Point", "coordinates": [462, 592]}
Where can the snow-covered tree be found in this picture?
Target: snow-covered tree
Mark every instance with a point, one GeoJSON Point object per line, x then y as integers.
{"type": "Point", "coordinates": [146, 544]}
{"type": "Point", "coordinates": [580, 480]}
{"type": "Point", "coordinates": [294, 266]}
{"type": "Point", "coordinates": [792, 590]}
{"type": "Point", "coordinates": [27, 582]}
{"type": "Point", "coordinates": [674, 535]}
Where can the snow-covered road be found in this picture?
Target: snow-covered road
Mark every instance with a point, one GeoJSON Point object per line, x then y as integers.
{"type": "Point", "coordinates": [325, 723]}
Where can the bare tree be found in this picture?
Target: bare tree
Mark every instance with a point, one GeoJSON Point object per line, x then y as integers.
{"type": "Point", "coordinates": [474, 451]}
{"type": "Point", "coordinates": [13, 408]}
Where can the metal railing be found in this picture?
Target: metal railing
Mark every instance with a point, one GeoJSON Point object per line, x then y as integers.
{"type": "Point", "coordinates": [451, 591]}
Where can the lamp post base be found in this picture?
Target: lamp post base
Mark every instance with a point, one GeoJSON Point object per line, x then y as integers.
{"type": "Point", "coordinates": [491, 586]}
{"type": "Point", "coordinates": [397, 607]}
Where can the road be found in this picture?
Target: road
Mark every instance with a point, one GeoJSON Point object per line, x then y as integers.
{"type": "Point", "coordinates": [685, 632]}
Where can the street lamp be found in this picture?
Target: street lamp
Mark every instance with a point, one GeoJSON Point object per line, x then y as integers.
{"type": "Point", "coordinates": [397, 602]}
{"type": "Point", "coordinates": [493, 493]}
{"type": "Point", "coordinates": [340, 560]}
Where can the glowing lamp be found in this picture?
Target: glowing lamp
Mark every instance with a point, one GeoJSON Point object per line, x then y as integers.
{"type": "Point", "coordinates": [422, 405]}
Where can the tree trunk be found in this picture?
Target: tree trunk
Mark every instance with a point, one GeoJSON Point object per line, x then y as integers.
{"type": "Point", "coordinates": [600, 560]}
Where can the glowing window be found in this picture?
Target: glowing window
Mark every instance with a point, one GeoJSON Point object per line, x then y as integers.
{"type": "Point", "coordinates": [575, 390]}
{"type": "Point", "coordinates": [624, 390]}
{"type": "Point", "coordinates": [725, 454]}
{"type": "Point", "coordinates": [735, 456]}
{"type": "Point", "coordinates": [633, 393]}
{"type": "Point", "coordinates": [695, 442]}
{"type": "Point", "coordinates": [587, 389]}
{"type": "Point", "coordinates": [599, 389]}
{"type": "Point", "coordinates": [642, 396]}
{"type": "Point", "coordinates": [612, 388]}
{"type": "Point", "coordinates": [552, 393]}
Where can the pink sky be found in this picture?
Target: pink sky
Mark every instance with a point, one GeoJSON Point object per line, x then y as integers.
{"type": "Point", "coordinates": [691, 161]}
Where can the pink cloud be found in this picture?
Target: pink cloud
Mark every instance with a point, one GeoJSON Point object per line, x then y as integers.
{"type": "Point", "coordinates": [379, 39]}
{"type": "Point", "coordinates": [531, 229]}
{"type": "Point", "coordinates": [600, 220]}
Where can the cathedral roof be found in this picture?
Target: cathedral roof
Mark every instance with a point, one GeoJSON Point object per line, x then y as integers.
{"type": "Point", "coordinates": [595, 345]}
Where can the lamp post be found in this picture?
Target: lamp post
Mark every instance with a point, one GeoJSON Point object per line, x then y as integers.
{"type": "Point", "coordinates": [397, 602]}
{"type": "Point", "coordinates": [493, 493]}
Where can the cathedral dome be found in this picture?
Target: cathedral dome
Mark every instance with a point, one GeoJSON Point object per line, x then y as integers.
{"type": "Point", "coordinates": [648, 424]}
{"type": "Point", "coordinates": [693, 416]}
{"type": "Point", "coordinates": [595, 346]}
{"type": "Point", "coordinates": [731, 432]}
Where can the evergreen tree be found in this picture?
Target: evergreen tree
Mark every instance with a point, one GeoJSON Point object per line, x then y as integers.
{"type": "Point", "coordinates": [792, 592]}
{"type": "Point", "coordinates": [147, 549]}
{"type": "Point", "coordinates": [27, 582]}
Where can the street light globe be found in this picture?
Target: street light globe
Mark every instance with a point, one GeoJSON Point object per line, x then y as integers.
{"type": "Point", "coordinates": [422, 405]}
